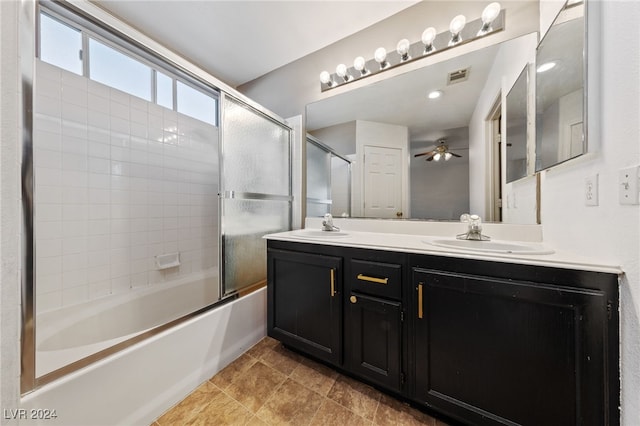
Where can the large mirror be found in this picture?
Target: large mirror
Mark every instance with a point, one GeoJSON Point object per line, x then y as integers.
{"type": "Point", "coordinates": [560, 89]}
{"type": "Point", "coordinates": [421, 158]}
{"type": "Point", "coordinates": [516, 112]}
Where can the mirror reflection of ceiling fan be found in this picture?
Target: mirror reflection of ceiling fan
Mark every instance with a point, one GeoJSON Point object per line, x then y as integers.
{"type": "Point", "coordinates": [439, 152]}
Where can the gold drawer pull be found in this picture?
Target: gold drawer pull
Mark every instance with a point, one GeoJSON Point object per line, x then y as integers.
{"type": "Point", "coordinates": [333, 282]}
{"type": "Point", "coordinates": [373, 279]}
{"type": "Point", "coordinates": [420, 313]}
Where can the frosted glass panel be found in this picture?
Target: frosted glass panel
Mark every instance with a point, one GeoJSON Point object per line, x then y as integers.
{"type": "Point", "coordinates": [317, 209]}
{"type": "Point", "coordinates": [245, 251]}
{"type": "Point", "coordinates": [318, 173]}
{"type": "Point", "coordinates": [256, 152]}
{"type": "Point", "coordinates": [340, 187]}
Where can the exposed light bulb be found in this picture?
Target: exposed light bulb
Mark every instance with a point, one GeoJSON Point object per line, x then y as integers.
{"type": "Point", "coordinates": [428, 36]}
{"type": "Point", "coordinates": [489, 14]}
{"type": "Point", "coordinates": [325, 78]}
{"type": "Point", "coordinates": [380, 56]}
{"type": "Point", "coordinates": [341, 70]}
{"type": "Point", "coordinates": [360, 64]}
{"type": "Point", "coordinates": [436, 157]}
{"type": "Point", "coordinates": [447, 156]}
{"type": "Point", "coordinates": [546, 66]}
{"type": "Point", "coordinates": [435, 94]}
{"type": "Point", "coordinates": [403, 49]}
{"type": "Point", "coordinates": [455, 27]}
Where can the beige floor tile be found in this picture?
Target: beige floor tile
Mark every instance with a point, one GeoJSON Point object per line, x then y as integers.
{"type": "Point", "coordinates": [292, 404]}
{"type": "Point", "coordinates": [356, 396]}
{"type": "Point", "coordinates": [315, 376]}
{"type": "Point", "coordinates": [392, 412]}
{"type": "Point", "coordinates": [255, 386]}
{"type": "Point", "coordinates": [270, 385]}
{"type": "Point", "coordinates": [189, 407]}
{"type": "Point", "coordinates": [333, 414]}
{"type": "Point", "coordinates": [281, 359]}
{"type": "Point", "coordinates": [232, 371]}
{"type": "Point", "coordinates": [221, 410]}
{"type": "Point", "coordinates": [262, 346]}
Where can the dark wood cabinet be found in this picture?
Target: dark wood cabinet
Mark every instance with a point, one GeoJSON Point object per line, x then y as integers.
{"type": "Point", "coordinates": [373, 334]}
{"type": "Point", "coordinates": [497, 350]}
{"type": "Point", "coordinates": [305, 302]}
{"type": "Point", "coordinates": [483, 342]}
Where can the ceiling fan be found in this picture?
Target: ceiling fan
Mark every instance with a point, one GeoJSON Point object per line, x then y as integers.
{"type": "Point", "coordinates": [440, 151]}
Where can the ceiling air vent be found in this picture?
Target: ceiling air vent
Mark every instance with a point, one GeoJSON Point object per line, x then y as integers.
{"type": "Point", "coordinates": [457, 76]}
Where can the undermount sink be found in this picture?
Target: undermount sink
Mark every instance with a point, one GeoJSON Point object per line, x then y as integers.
{"type": "Point", "coordinates": [310, 233]}
{"type": "Point", "coordinates": [492, 246]}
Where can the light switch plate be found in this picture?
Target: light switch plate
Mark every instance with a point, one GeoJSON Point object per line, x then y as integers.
{"type": "Point", "coordinates": [591, 190]}
{"type": "Point", "coordinates": [628, 185]}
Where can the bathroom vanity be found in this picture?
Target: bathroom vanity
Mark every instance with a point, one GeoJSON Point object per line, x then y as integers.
{"type": "Point", "coordinates": [483, 338]}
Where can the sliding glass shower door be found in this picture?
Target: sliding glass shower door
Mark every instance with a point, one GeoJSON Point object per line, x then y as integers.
{"type": "Point", "coordinates": [256, 191]}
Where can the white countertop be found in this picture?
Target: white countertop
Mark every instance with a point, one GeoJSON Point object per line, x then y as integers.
{"type": "Point", "coordinates": [421, 244]}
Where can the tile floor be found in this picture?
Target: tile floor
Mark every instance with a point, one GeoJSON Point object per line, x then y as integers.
{"type": "Point", "coordinates": [270, 385]}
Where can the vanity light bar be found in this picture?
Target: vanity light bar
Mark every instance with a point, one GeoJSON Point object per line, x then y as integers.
{"type": "Point", "coordinates": [405, 54]}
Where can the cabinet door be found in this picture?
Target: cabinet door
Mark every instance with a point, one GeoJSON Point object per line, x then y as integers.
{"type": "Point", "coordinates": [304, 302]}
{"type": "Point", "coordinates": [494, 351]}
{"type": "Point", "coordinates": [373, 339]}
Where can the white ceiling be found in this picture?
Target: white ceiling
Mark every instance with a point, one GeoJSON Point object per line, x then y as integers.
{"type": "Point", "coordinates": [238, 41]}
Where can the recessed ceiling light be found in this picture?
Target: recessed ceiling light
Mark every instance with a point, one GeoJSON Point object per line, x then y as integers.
{"type": "Point", "coordinates": [546, 66]}
{"type": "Point", "coordinates": [435, 94]}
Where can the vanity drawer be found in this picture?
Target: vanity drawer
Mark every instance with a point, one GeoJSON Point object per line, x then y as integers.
{"type": "Point", "coordinates": [376, 278]}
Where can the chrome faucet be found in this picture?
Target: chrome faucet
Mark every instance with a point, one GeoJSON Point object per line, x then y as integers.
{"type": "Point", "coordinates": [474, 231]}
{"type": "Point", "coordinates": [327, 223]}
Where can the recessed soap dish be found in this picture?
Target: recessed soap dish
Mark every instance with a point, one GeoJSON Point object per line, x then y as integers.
{"type": "Point", "coordinates": [169, 260]}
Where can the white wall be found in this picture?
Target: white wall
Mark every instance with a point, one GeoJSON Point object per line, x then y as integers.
{"type": "Point", "coordinates": [610, 231]}
{"type": "Point", "coordinates": [118, 181]}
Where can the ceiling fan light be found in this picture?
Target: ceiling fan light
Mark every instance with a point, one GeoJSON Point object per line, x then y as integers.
{"type": "Point", "coordinates": [447, 156]}
{"type": "Point", "coordinates": [437, 156]}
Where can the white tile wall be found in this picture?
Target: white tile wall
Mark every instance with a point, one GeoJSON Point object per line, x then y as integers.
{"type": "Point", "coordinates": [118, 181]}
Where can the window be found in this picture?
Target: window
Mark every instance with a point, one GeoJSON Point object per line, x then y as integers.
{"type": "Point", "coordinates": [196, 104]}
{"type": "Point", "coordinates": [61, 44]}
{"type": "Point", "coordinates": [164, 90]}
{"type": "Point", "coordinates": [115, 69]}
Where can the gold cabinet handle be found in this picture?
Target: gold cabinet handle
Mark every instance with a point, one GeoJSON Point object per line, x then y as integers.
{"type": "Point", "coordinates": [333, 282]}
{"type": "Point", "coordinates": [373, 279]}
{"type": "Point", "coordinates": [420, 313]}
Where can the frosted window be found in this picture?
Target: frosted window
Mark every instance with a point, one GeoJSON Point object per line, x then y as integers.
{"type": "Point", "coordinates": [256, 152]}
{"type": "Point", "coordinates": [340, 187]}
{"type": "Point", "coordinates": [115, 69]}
{"type": "Point", "coordinates": [245, 251]}
{"type": "Point", "coordinates": [318, 173]}
{"type": "Point", "coordinates": [196, 104]}
{"type": "Point", "coordinates": [318, 180]}
{"type": "Point", "coordinates": [60, 44]}
{"type": "Point", "coordinates": [164, 90]}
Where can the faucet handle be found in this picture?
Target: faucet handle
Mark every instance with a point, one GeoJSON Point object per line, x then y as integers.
{"type": "Point", "coordinates": [465, 217]}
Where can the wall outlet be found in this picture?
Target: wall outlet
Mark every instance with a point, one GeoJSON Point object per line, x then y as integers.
{"type": "Point", "coordinates": [628, 185]}
{"type": "Point", "coordinates": [591, 190]}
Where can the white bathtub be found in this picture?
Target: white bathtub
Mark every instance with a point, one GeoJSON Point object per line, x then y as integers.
{"type": "Point", "coordinates": [136, 385]}
{"type": "Point", "coordinates": [72, 333]}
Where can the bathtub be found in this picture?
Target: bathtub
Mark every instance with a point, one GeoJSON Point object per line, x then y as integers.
{"type": "Point", "coordinates": [137, 384]}
{"type": "Point", "coordinates": [72, 333]}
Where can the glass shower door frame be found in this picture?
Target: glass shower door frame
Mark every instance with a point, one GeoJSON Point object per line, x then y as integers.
{"type": "Point", "coordinates": [231, 194]}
